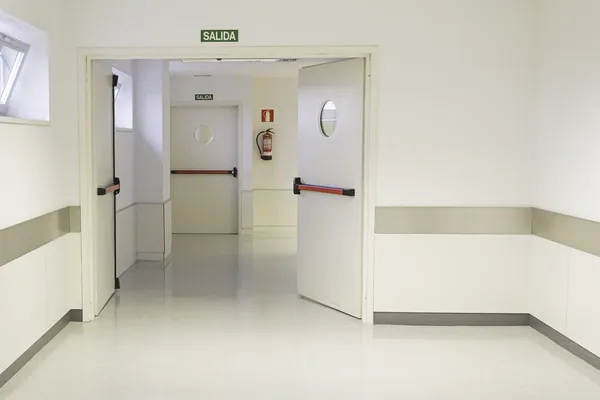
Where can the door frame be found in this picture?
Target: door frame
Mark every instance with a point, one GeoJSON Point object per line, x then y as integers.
{"type": "Point", "coordinates": [85, 57]}
{"type": "Point", "coordinates": [240, 115]}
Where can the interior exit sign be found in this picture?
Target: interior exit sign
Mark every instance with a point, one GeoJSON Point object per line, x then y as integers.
{"type": "Point", "coordinates": [219, 35]}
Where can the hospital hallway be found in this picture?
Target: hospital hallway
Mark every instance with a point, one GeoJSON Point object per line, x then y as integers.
{"type": "Point", "coordinates": [223, 321]}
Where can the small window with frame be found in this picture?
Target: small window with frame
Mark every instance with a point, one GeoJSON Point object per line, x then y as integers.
{"type": "Point", "coordinates": [12, 57]}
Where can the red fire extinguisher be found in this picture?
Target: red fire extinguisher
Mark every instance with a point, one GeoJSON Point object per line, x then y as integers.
{"type": "Point", "coordinates": [266, 151]}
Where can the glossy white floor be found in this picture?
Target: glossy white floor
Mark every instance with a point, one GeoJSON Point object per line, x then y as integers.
{"type": "Point", "coordinates": [224, 322]}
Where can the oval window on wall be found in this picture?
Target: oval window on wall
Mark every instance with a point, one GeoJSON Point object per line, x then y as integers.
{"type": "Point", "coordinates": [203, 135]}
{"type": "Point", "coordinates": [328, 118]}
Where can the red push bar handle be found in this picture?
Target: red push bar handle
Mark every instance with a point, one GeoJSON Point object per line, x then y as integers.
{"type": "Point", "coordinates": [299, 187]}
{"type": "Point", "coordinates": [233, 172]}
{"type": "Point", "coordinates": [114, 187]}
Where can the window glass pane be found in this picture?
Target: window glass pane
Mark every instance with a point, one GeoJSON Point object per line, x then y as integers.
{"type": "Point", "coordinates": [10, 63]}
{"type": "Point", "coordinates": [118, 89]}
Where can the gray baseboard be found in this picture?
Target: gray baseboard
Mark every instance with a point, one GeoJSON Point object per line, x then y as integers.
{"type": "Point", "coordinates": [72, 315]}
{"type": "Point", "coordinates": [565, 342]}
{"type": "Point", "coordinates": [450, 319]}
{"type": "Point", "coordinates": [476, 319]}
{"type": "Point", "coordinates": [76, 315]}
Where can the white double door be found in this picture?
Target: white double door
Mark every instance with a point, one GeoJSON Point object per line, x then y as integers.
{"type": "Point", "coordinates": [330, 240]}
{"type": "Point", "coordinates": [330, 245]}
{"type": "Point", "coordinates": [205, 139]}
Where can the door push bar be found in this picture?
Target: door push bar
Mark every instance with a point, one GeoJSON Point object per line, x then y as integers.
{"type": "Point", "coordinates": [233, 172]}
{"type": "Point", "coordinates": [114, 187]}
{"type": "Point", "coordinates": [299, 187]}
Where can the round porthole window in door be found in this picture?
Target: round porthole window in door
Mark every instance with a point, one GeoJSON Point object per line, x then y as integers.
{"type": "Point", "coordinates": [328, 118]}
{"type": "Point", "coordinates": [203, 135]}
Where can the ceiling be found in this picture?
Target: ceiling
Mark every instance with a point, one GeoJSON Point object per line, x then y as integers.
{"type": "Point", "coordinates": [250, 68]}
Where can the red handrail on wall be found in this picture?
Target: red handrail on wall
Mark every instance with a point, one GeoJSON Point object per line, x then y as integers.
{"type": "Point", "coordinates": [299, 187]}
{"type": "Point", "coordinates": [233, 172]}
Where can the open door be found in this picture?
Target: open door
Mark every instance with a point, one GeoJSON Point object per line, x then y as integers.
{"type": "Point", "coordinates": [330, 184]}
{"type": "Point", "coordinates": [107, 188]}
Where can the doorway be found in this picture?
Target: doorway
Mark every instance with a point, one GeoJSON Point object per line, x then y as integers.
{"type": "Point", "coordinates": [204, 159]}
{"type": "Point", "coordinates": [365, 218]}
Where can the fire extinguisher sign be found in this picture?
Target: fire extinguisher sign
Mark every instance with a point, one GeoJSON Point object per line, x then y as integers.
{"type": "Point", "coordinates": [268, 115]}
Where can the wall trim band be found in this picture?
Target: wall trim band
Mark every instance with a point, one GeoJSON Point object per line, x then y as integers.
{"type": "Point", "coordinates": [577, 233]}
{"type": "Point", "coordinates": [573, 232]}
{"type": "Point", "coordinates": [453, 220]}
{"type": "Point", "coordinates": [25, 237]}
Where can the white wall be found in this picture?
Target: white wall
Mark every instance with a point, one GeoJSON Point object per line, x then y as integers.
{"type": "Point", "coordinates": [567, 163]}
{"type": "Point", "coordinates": [565, 294]}
{"type": "Point", "coordinates": [152, 156]}
{"type": "Point", "coordinates": [148, 121]}
{"type": "Point", "coordinates": [452, 273]}
{"type": "Point", "coordinates": [40, 166]}
{"type": "Point", "coordinates": [231, 90]}
{"type": "Point", "coordinates": [43, 160]}
{"type": "Point", "coordinates": [565, 291]}
{"type": "Point", "coordinates": [36, 291]}
{"type": "Point", "coordinates": [150, 231]}
{"type": "Point", "coordinates": [275, 205]}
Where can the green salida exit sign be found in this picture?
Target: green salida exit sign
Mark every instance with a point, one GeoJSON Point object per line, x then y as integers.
{"type": "Point", "coordinates": [219, 35]}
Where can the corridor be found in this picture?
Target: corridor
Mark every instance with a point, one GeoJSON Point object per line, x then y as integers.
{"type": "Point", "coordinates": [223, 321]}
